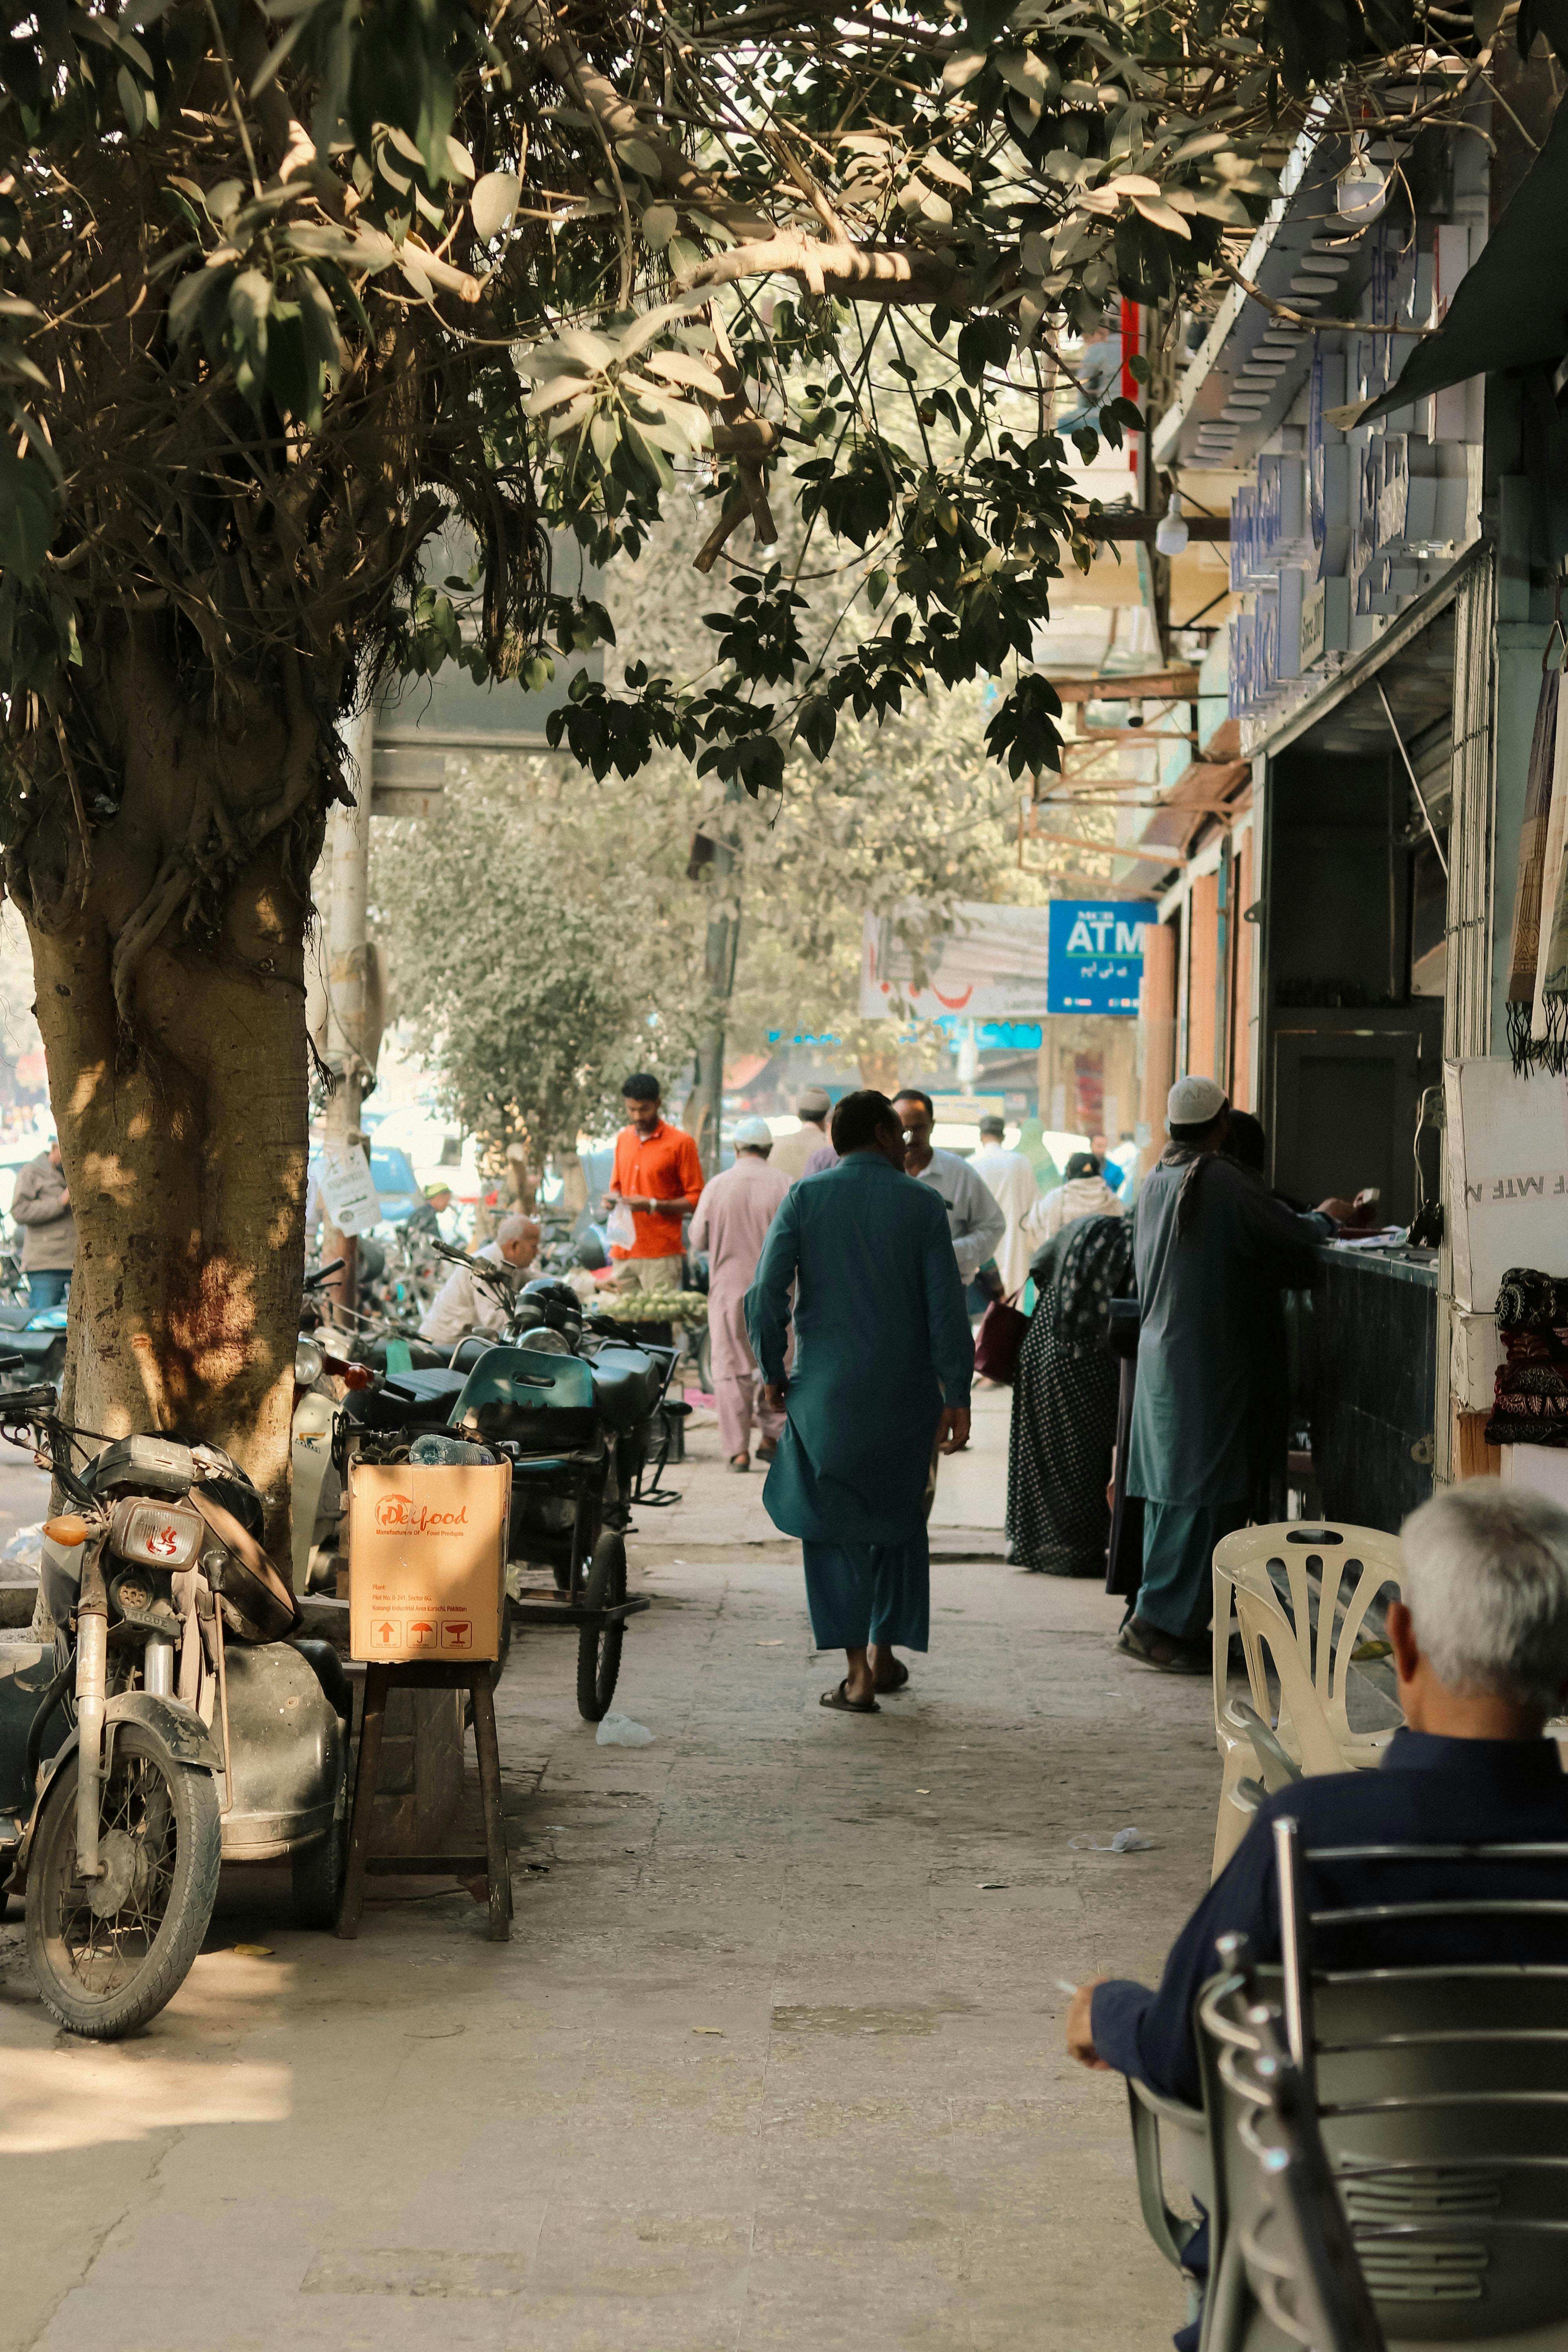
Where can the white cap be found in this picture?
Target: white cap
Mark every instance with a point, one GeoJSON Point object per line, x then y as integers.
{"type": "Point", "coordinates": [754, 1132]}
{"type": "Point", "coordinates": [1193, 1102]}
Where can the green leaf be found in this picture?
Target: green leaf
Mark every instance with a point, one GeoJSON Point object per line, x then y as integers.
{"type": "Point", "coordinates": [131, 101]}
{"type": "Point", "coordinates": [641, 157]}
{"type": "Point", "coordinates": [492, 200]}
{"type": "Point", "coordinates": [982, 342]}
{"type": "Point", "coordinates": [961, 70]}
{"type": "Point", "coordinates": [658, 226]}
{"type": "Point", "coordinates": [27, 512]}
{"type": "Point", "coordinates": [816, 725]}
{"type": "Point", "coordinates": [186, 302]}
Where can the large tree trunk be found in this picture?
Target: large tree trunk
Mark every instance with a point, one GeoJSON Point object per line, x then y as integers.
{"type": "Point", "coordinates": [177, 1070]}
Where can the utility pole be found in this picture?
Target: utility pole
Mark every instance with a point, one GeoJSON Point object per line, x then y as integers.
{"type": "Point", "coordinates": [705, 1106]}
{"type": "Point", "coordinates": [347, 867]}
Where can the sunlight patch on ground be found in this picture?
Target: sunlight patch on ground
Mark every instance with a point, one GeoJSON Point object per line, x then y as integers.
{"type": "Point", "coordinates": [102, 2091]}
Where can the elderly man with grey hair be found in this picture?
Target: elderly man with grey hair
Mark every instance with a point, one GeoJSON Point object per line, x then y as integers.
{"type": "Point", "coordinates": [1480, 1654]}
{"type": "Point", "coordinates": [462, 1304]}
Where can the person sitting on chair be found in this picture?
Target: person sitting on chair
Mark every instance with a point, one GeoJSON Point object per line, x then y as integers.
{"type": "Point", "coordinates": [1481, 1653]}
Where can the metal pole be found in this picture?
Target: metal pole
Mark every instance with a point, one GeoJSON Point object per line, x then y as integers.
{"type": "Point", "coordinates": [705, 1109]}
{"type": "Point", "coordinates": [348, 864]}
{"type": "Point", "coordinates": [1411, 773]}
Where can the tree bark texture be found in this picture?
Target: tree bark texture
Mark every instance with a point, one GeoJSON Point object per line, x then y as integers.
{"type": "Point", "coordinates": [168, 955]}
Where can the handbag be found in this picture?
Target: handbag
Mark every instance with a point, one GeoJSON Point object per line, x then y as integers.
{"type": "Point", "coordinates": [998, 1340]}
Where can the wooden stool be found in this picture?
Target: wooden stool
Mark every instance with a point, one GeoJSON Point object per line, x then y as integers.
{"type": "Point", "coordinates": [479, 1680]}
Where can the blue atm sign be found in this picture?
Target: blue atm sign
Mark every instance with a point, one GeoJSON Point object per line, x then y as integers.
{"type": "Point", "coordinates": [1096, 954]}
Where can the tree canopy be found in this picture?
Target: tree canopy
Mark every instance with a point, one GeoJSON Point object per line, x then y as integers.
{"type": "Point", "coordinates": [286, 280]}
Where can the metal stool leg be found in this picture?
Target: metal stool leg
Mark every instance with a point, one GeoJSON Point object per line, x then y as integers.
{"type": "Point", "coordinates": [367, 1775]}
{"type": "Point", "coordinates": [497, 1861]}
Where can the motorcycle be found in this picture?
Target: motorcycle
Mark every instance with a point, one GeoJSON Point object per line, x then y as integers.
{"type": "Point", "coordinates": [176, 1721]}
{"type": "Point", "coordinates": [578, 1410]}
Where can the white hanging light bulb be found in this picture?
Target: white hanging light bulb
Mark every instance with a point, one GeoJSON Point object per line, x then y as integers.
{"type": "Point", "coordinates": [1172, 535]}
{"type": "Point", "coordinates": [1361, 191]}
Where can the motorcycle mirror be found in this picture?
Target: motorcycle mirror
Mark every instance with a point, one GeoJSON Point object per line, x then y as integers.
{"type": "Point", "coordinates": [70, 1530]}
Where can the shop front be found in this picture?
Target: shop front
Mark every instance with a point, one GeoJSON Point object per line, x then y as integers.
{"type": "Point", "coordinates": [1337, 935]}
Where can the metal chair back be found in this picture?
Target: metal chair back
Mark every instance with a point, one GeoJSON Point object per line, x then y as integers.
{"type": "Point", "coordinates": [1300, 2256]}
{"type": "Point", "coordinates": [1440, 2092]}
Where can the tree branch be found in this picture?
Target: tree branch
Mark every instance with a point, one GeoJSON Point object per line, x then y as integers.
{"type": "Point", "coordinates": [856, 273]}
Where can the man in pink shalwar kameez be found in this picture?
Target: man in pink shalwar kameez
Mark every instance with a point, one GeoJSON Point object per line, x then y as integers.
{"type": "Point", "coordinates": [730, 1223]}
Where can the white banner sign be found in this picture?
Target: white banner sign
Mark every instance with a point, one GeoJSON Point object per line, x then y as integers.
{"type": "Point", "coordinates": [352, 1200]}
{"type": "Point", "coordinates": [993, 965]}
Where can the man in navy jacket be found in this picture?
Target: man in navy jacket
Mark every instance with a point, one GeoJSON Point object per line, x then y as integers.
{"type": "Point", "coordinates": [1480, 1650]}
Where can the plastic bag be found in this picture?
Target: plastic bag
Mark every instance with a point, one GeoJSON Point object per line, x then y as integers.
{"type": "Point", "coordinates": [619, 1230]}
{"type": "Point", "coordinates": [1127, 1840]}
{"type": "Point", "coordinates": [620, 1731]}
{"type": "Point", "coordinates": [23, 1554]}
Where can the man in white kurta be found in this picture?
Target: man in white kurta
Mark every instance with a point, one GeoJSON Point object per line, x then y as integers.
{"type": "Point", "coordinates": [1009, 1178]}
{"type": "Point", "coordinates": [730, 1223]}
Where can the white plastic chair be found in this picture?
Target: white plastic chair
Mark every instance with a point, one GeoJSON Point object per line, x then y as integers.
{"type": "Point", "coordinates": [1311, 1665]}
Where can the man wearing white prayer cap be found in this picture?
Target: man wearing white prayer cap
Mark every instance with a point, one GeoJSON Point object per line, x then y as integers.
{"type": "Point", "coordinates": [1213, 1248]}
{"type": "Point", "coordinates": [731, 1223]}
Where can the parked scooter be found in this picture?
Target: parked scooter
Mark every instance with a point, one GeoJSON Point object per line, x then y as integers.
{"type": "Point", "coordinates": [172, 1726]}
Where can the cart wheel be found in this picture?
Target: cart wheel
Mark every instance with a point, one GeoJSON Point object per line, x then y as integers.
{"type": "Point", "coordinates": [599, 1646]}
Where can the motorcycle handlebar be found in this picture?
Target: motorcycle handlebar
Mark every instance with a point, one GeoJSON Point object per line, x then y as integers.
{"type": "Point", "coordinates": [324, 1273]}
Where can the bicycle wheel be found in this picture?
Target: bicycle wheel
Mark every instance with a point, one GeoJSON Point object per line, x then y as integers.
{"type": "Point", "coordinates": [599, 1646]}
{"type": "Point", "coordinates": [107, 1956]}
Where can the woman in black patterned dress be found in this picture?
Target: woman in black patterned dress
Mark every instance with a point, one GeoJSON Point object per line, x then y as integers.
{"type": "Point", "coordinates": [1064, 1402]}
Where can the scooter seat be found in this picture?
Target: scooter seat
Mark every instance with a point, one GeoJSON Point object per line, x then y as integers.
{"type": "Point", "coordinates": [626, 1386]}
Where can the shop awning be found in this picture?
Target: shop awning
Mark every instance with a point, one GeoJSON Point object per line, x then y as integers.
{"type": "Point", "coordinates": [1510, 308]}
{"type": "Point", "coordinates": [1207, 784]}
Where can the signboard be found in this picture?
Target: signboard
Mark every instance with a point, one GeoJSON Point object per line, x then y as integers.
{"type": "Point", "coordinates": [1508, 1174]}
{"type": "Point", "coordinates": [1097, 953]}
{"type": "Point", "coordinates": [991, 964]}
{"type": "Point", "coordinates": [352, 1199]}
{"type": "Point", "coordinates": [966, 1110]}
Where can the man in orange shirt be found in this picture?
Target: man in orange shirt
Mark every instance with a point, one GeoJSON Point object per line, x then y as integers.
{"type": "Point", "coordinates": [658, 1176]}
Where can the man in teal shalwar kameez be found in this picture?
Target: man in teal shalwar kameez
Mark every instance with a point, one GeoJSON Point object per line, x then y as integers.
{"type": "Point", "coordinates": [883, 1359]}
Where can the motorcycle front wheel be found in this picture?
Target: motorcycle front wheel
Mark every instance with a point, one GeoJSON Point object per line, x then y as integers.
{"type": "Point", "coordinates": [599, 1646]}
{"type": "Point", "coordinates": [109, 1955]}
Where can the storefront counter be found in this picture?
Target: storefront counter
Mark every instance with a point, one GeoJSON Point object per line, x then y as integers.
{"type": "Point", "coordinates": [1374, 1346]}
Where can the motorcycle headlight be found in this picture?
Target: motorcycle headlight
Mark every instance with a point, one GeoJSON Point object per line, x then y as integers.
{"type": "Point", "coordinates": [164, 1533]}
{"type": "Point", "coordinates": [308, 1362]}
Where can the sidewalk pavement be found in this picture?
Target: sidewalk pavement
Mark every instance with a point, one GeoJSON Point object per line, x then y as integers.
{"type": "Point", "coordinates": [655, 2121]}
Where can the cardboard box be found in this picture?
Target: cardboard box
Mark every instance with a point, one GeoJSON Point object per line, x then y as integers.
{"type": "Point", "coordinates": [426, 1561]}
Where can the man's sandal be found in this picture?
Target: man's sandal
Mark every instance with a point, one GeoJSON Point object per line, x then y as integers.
{"type": "Point", "coordinates": [841, 1699]}
{"type": "Point", "coordinates": [1151, 1647]}
{"type": "Point", "coordinates": [899, 1678]}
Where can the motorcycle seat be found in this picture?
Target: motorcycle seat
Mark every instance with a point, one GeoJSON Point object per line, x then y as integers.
{"type": "Point", "coordinates": [626, 1386]}
{"type": "Point", "coordinates": [428, 1400]}
{"type": "Point", "coordinates": [543, 1404]}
